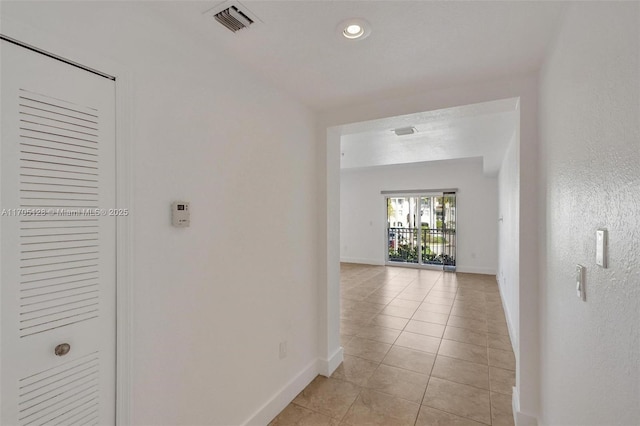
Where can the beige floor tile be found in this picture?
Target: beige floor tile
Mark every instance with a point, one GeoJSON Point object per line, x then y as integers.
{"type": "Point", "coordinates": [381, 300]}
{"type": "Point", "coordinates": [495, 314]}
{"type": "Point", "coordinates": [468, 312]}
{"type": "Point", "coordinates": [497, 327]}
{"type": "Point", "coordinates": [416, 296]}
{"type": "Point", "coordinates": [410, 359]}
{"type": "Point", "coordinates": [464, 295]}
{"type": "Point", "coordinates": [373, 283]}
{"type": "Point", "coordinates": [388, 321]}
{"type": "Point", "coordinates": [375, 408]}
{"type": "Point", "coordinates": [501, 410]}
{"type": "Point", "coordinates": [469, 303]}
{"type": "Point", "coordinates": [438, 301]}
{"type": "Point", "coordinates": [419, 286]}
{"type": "Point", "coordinates": [430, 307]}
{"type": "Point", "coordinates": [499, 341]}
{"type": "Point", "coordinates": [385, 293]}
{"type": "Point", "coordinates": [397, 311]}
{"type": "Point", "coordinates": [502, 359]}
{"type": "Point", "coordinates": [357, 316]}
{"type": "Point", "coordinates": [331, 397]}
{"type": "Point", "coordinates": [344, 339]}
{"type": "Point", "coordinates": [355, 370]}
{"type": "Point", "coordinates": [469, 293]}
{"type": "Point", "coordinates": [295, 415]}
{"type": "Point", "coordinates": [501, 380]}
{"type": "Point", "coordinates": [434, 317]}
{"type": "Point", "coordinates": [350, 328]}
{"type": "Point", "coordinates": [463, 351]}
{"type": "Point", "coordinates": [426, 328]}
{"type": "Point", "coordinates": [367, 349]}
{"type": "Point", "coordinates": [462, 400]}
{"type": "Point", "coordinates": [356, 293]}
{"type": "Point", "coordinates": [398, 382]}
{"type": "Point", "coordinates": [495, 306]}
{"type": "Point", "coordinates": [431, 417]}
{"type": "Point", "coordinates": [446, 288]}
{"type": "Point", "coordinates": [465, 336]}
{"type": "Point", "coordinates": [442, 294]}
{"type": "Point", "coordinates": [459, 371]}
{"type": "Point", "coordinates": [401, 303]}
{"type": "Point", "coordinates": [367, 307]}
{"type": "Point", "coordinates": [379, 334]}
{"type": "Point", "coordinates": [496, 322]}
{"type": "Point", "coordinates": [419, 342]}
{"type": "Point", "coordinates": [476, 324]}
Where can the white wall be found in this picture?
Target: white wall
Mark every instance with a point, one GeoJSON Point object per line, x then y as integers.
{"type": "Point", "coordinates": [363, 221]}
{"type": "Point", "coordinates": [590, 132]}
{"type": "Point", "coordinates": [211, 302]}
{"type": "Point", "coordinates": [509, 236]}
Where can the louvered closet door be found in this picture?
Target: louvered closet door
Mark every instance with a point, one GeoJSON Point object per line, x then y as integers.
{"type": "Point", "coordinates": [57, 266]}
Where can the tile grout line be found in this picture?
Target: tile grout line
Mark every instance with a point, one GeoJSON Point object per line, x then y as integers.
{"type": "Point", "coordinates": [430, 376]}
{"type": "Point", "coordinates": [432, 365]}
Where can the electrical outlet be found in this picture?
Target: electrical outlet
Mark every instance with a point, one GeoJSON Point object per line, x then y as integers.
{"type": "Point", "coordinates": [283, 349]}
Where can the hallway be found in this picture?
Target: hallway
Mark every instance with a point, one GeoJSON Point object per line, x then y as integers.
{"type": "Point", "coordinates": [421, 348]}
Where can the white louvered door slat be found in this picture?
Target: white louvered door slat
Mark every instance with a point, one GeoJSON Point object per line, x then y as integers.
{"type": "Point", "coordinates": [57, 256]}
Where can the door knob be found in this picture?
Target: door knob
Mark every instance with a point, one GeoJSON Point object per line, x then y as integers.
{"type": "Point", "coordinates": [62, 349]}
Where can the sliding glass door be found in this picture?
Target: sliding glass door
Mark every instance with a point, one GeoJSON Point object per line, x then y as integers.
{"type": "Point", "coordinates": [402, 229]}
{"type": "Point", "coordinates": [421, 229]}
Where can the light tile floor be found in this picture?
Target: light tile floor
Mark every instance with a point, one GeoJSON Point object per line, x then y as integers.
{"type": "Point", "coordinates": [421, 348]}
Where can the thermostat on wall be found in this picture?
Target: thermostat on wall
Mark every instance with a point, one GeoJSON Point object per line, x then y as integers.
{"type": "Point", "coordinates": [180, 215]}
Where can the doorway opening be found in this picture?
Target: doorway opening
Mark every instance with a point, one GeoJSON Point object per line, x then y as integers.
{"type": "Point", "coordinates": [421, 230]}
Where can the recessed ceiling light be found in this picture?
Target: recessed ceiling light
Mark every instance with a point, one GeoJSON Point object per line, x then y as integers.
{"type": "Point", "coordinates": [354, 28]}
{"type": "Point", "coordinates": [353, 31]}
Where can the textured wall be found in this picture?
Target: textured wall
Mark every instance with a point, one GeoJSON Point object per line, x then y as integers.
{"type": "Point", "coordinates": [590, 133]}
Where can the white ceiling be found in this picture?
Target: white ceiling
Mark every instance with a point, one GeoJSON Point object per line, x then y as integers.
{"type": "Point", "coordinates": [481, 130]}
{"type": "Point", "coordinates": [414, 45]}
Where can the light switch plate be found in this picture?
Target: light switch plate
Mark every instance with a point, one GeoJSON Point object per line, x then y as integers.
{"type": "Point", "coordinates": [601, 247]}
{"type": "Point", "coordinates": [580, 282]}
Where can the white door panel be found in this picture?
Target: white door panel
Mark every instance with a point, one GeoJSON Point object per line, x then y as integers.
{"type": "Point", "coordinates": [57, 249]}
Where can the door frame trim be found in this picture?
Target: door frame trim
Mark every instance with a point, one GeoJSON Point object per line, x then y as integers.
{"type": "Point", "coordinates": [50, 43]}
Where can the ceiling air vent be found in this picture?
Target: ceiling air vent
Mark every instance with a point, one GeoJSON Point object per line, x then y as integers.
{"type": "Point", "coordinates": [233, 19]}
{"type": "Point", "coordinates": [233, 15]}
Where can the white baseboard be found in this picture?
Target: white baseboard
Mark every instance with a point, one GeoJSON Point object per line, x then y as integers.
{"type": "Point", "coordinates": [361, 261]}
{"type": "Point", "coordinates": [376, 262]}
{"type": "Point", "coordinates": [520, 419]}
{"type": "Point", "coordinates": [513, 335]}
{"type": "Point", "coordinates": [475, 270]}
{"type": "Point", "coordinates": [326, 367]}
{"type": "Point", "coordinates": [284, 396]}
